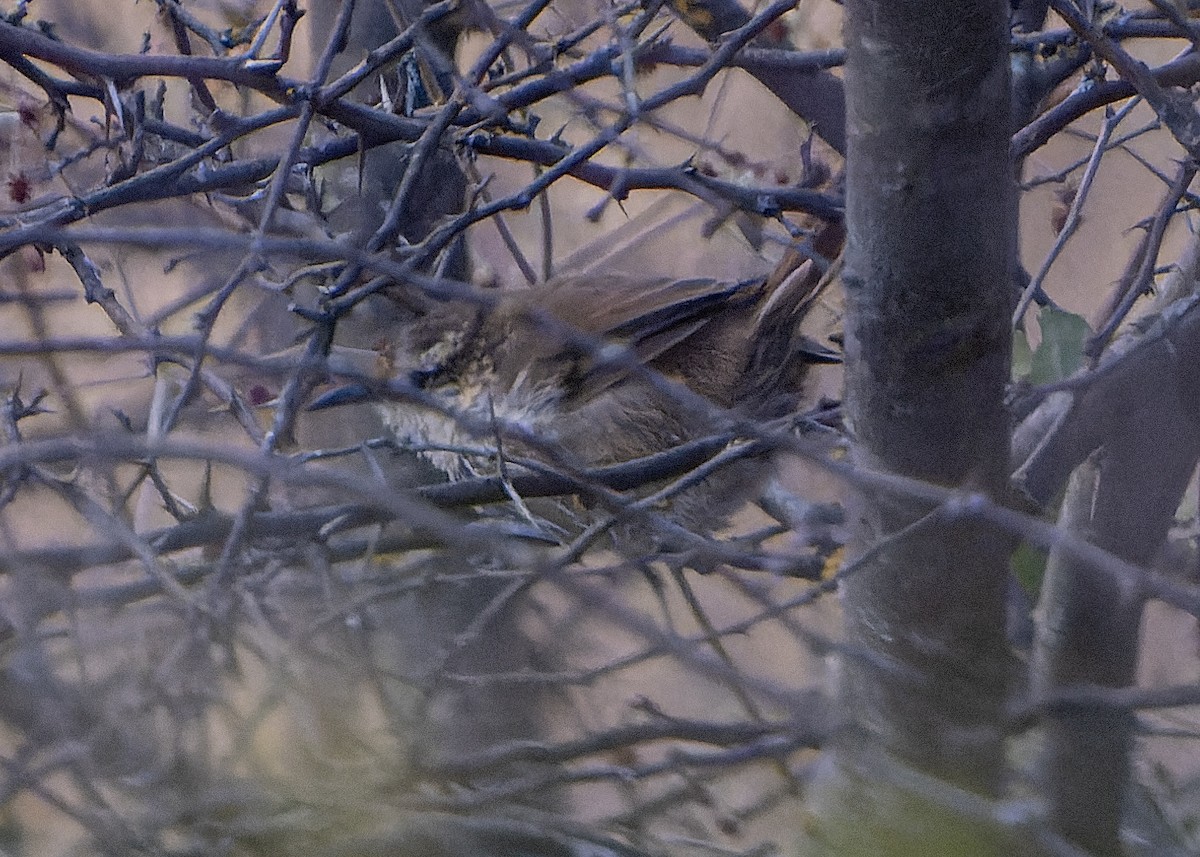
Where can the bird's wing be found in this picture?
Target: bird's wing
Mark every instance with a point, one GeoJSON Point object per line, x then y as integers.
{"type": "Point", "coordinates": [650, 316]}
{"type": "Point", "coordinates": [654, 315]}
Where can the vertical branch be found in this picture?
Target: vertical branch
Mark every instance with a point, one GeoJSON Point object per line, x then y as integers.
{"type": "Point", "coordinates": [1087, 633]}
{"type": "Point", "coordinates": [1122, 499]}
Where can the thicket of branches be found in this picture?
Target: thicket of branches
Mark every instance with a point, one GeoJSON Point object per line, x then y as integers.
{"type": "Point", "coordinates": [234, 626]}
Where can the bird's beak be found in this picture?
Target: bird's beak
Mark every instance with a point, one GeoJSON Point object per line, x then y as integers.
{"type": "Point", "coordinates": [815, 352]}
{"type": "Point", "coordinates": [359, 362]}
{"type": "Point", "coordinates": [348, 394]}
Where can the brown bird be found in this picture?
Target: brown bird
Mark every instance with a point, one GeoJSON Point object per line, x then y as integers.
{"type": "Point", "coordinates": [608, 369]}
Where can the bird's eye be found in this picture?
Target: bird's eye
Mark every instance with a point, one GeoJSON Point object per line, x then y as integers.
{"type": "Point", "coordinates": [439, 362]}
{"type": "Point", "coordinates": [424, 376]}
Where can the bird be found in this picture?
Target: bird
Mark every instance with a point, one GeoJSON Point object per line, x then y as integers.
{"type": "Point", "coordinates": [598, 369]}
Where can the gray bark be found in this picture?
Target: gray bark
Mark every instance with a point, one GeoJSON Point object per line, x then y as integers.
{"type": "Point", "coordinates": [930, 219]}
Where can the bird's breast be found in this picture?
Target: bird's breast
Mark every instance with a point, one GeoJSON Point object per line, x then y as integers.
{"type": "Point", "coordinates": [460, 439]}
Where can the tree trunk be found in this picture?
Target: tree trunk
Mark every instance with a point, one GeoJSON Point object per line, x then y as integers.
{"type": "Point", "coordinates": [931, 225]}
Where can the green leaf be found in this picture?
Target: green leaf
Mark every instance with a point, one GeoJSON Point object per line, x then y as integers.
{"type": "Point", "coordinates": [1061, 349]}
{"type": "Point", "coordinates": [1022, 355]}
{"type": "Point", "coordinates": [1028, 565]}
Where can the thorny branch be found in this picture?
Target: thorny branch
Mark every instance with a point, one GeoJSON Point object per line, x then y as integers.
{"type": "Point", "coordinates": [250, 555]}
